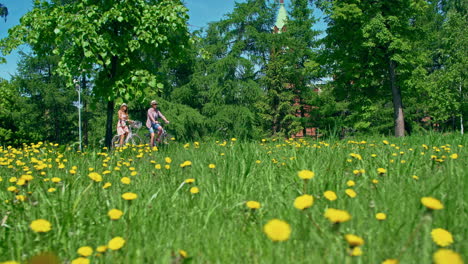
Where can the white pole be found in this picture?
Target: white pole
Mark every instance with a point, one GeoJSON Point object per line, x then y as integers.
{"type": "Point", "coordinates": [461, 114]}
{"type": "Point", "coordinates": [78, 89]}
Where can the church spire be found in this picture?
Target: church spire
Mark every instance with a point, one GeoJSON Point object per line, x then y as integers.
{"type": "Point", "coordinates": [281, 18]}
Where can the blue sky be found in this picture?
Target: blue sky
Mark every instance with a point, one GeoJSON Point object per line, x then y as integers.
{"type": "Point", "coordinates": [201, 12]}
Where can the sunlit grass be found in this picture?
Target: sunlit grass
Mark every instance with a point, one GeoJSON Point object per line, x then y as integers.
{"type": "Point", "coordinates": [215, 224]}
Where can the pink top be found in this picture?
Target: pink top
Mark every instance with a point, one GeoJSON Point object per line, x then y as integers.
{"type": "Point", "coordinates": [153, 116]}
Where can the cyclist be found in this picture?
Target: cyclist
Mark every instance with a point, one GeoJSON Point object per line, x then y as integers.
{"type": "Point", "coordinates": [122, 128]}
{"type": "Point", "coordinates": [152, 122]}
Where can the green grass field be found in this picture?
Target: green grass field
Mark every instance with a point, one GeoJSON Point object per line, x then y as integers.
{"type": "Point", "coordinates": [215, 225]}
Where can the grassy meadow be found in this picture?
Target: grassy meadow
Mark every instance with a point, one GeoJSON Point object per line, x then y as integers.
{"type": "Point", "coordinates": [172, 222]}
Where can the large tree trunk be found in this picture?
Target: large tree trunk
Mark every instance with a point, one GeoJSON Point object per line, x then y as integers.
{"type": "Point", "coordinates": [397, 103]}
{"type": "Point", "coordinates": [110, 114]}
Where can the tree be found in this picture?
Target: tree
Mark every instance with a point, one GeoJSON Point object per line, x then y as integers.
{"type": "Point", "coordinates": [118, 42]}
{"type": "Point", "coordinates": [369, 45]}
{"type": "Point", "coordinates": [3, 11]}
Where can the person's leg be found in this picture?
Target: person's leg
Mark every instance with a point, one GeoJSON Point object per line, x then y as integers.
{"type": "Point", "coordinates": [151, 130]}
{"type": "Point", "coordinates": [160, 130]}
{"type": "Point", "coordinates": [121, 140]}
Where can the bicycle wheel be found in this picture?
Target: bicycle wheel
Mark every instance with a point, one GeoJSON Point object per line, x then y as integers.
{"type": "Point", "coordinates": [115, 141]}
{"type": "Point", "coordinates": [135, 140]}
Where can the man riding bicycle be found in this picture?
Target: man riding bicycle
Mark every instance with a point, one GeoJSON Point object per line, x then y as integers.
{"type": "Point", "coordinates": [152, 122]}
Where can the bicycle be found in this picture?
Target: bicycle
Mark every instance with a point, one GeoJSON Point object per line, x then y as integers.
{"type": "Point", "coordinates": [163, 138]}
{"type": "Point", "coordinates": [132, 137]}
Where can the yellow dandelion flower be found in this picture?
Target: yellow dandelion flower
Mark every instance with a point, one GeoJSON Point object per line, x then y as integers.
{"type": "Point", "coordinates": [55, 180]}
{"type": "Point", "coordinates": [183, 253]}
{"type": "Point", "coordinates": [303, 202]}
{"type": "Point", "coordinates": [253, 205]}
{"type": "Point", "coordinates": [446, 256]}
{"type": "Point", "coordinates": [116, 243]}
{"type": "Point", "coordinates": [115, 214]}
{"type": "Point", "coordinates": [125, 180]}
{"type": "Point", "coordinates": [133, 173]}
{"type": "Point", "coordinates": [194, 190]}
{"type": "Point", "coordinates": [106, 172]}
{"type": "Point", "coordinates": [80, 260]}
{"type": "Point", "coordinates": [211, 166]}
{"type": "Point", "coordinates": [277, 230]}
{"type": "Point", "coordinates": [191, 180]}
{"type": "Point", "coordinates": [350, 183]}
{"type": "Point", "coordinates": [390, 261]}
{"type": "Point", "coordinates": [442, 237]}
{"type": "Point", "coordinates": [101, 249]}
{"type": "Point", "coordinates": [330, 195]}
{"type": "Point", "coordinates": [306, 174]}
{"type": "Point", "coordinates": [233, 139]}
{"type": "Point", "coordinates": [157, 166]}
{"type": "Point", "coordinates": [432, 203]}
{"type": "Point", "coordinates": [337, 216]}
{"type": "Point", "coordinates": [40, 226]}
{"type": "Point", "coordinates": [129, 196]}
{"type": "Point", "coordinates": [258, 161]}
{"type": "Point", "coordinates": [95, 176]}
{"type": "Point", "coordinates": [85, 251]}
{"type": "Point", "coordinates": [375, 181]}
{"type": "Point", "coordinates": [51, 190]}
{"type": "Point", "coordinates": [351, 193]}
{"type": "Point", "coordinates": [107, 185]}
{"type": "Point", "coordinates": [415, 177]}
{"type": "Point", "coordinates": [386, 142]}
{"type": "Point", "coordinates": [354, 240]}
{"type": "Point", "coordinates": [356, 172]}
{"type": "Point", "coordinates": [356, 252]}
{"type": "Point", "coordinates": [380, 216]}
{"type": "Point", "coordinates": [167, 160]}
{"type": "Point", "coordinates": [167, 167]}
{"type": "Point", "coordinates": [381, 171]}
{"type": "Point", "coordinates": [12, 189]}
{"type": "Point", "coordinates": [454, 156]}
{"type": "Point", "coordinates": [20, 198]}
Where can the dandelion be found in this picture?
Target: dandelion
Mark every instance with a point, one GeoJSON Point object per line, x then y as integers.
{"type": "Point", "coordinates": [380, 216]}
{"type": "Point", "coordinates": [191, 180]}
{"type": "Point", "coordinates": [351, 193]}
{"type": "Point", "coordinates": [55, 180]}
{"type": "Point", "coordinates": [353, 240]}
{"type": "Point", "coordinates": [157, 166]}
{"type": "Point", "coordinates": [454, 156]}
{"type": "Point", "coordinates": [390, 261]}
{"type": "Point", "coordinates": [306, 174]}
{"type": "Point", "coordinates": [20, 198]}
{"type": "Point", "coordinates": [80, 260]}
{"type": "Point", "coordinates": [183, 253]}
{"type": "Point", "coordinates": [40, 226]}
{"type": "Point", "coordinates": [350, 183]}
{"type": "Point", "coordinates": [12, 189]}
{"type": "Point", "coordinates": [432, 203]}
{"type": "Point", "coordinates": [107, 185]}
{"type": "Point", "coordinates": [375, 181]}
{"type": "Point", "coordinates": [446, 256]}
{"type": "Point", "coordinates": [85, 251]}
{"type": "Point", "coordinates": [277, 230]}
{"type": "Point", "coordinates": [167, 167]}
{"type": "Point", "coordinates": [167, 160]}
{"type": "Point", "coordinates": [258, 161]}
{"type": "Point", "coordinates": [381, 171]}
{"type": "Point", "coordinates": [303, 202]}
{"type": "Point", "coordinates": [194, 190]}
{"type": "Point", "coordinates": [115, 214]}
{"type": "Point", "coordinates": [415, 177]}
{"type": "Point", "coordinates": [133, 173]}
{"type": "Point", "coordinates": [442, 237]}
{"type": "Point", "coordinates": [330, 195]}
{"type": "Point", "coordinates": [253, 205]}
{"type": "Point", "coordinates": [129, 196]}
{"type": "Point", "coordinates": [95, 176]}
{"type": "Point", "coordinates": [51, 190]}
{"type": "Point", "coordinates": [116, 243]}
{"type": "Point", "coordinates": [356, 252]}
{"type": "Point", "coordinates": [211, 166]}
{"type": "Point", "coordinates": [125, 180]}
{"type": "Point", "coordinates": [337, 216]}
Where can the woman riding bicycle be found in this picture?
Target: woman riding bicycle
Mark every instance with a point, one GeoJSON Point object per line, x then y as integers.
{"type": "Point", "coordinates": [152, 122]}
{"type": "Point", "coordinates": [122, 128]}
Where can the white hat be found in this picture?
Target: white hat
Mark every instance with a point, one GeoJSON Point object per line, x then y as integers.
{"type": "Point", "coordinates": [123, 104]}
{"type": "Point", "coordinates": [154, 102]}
